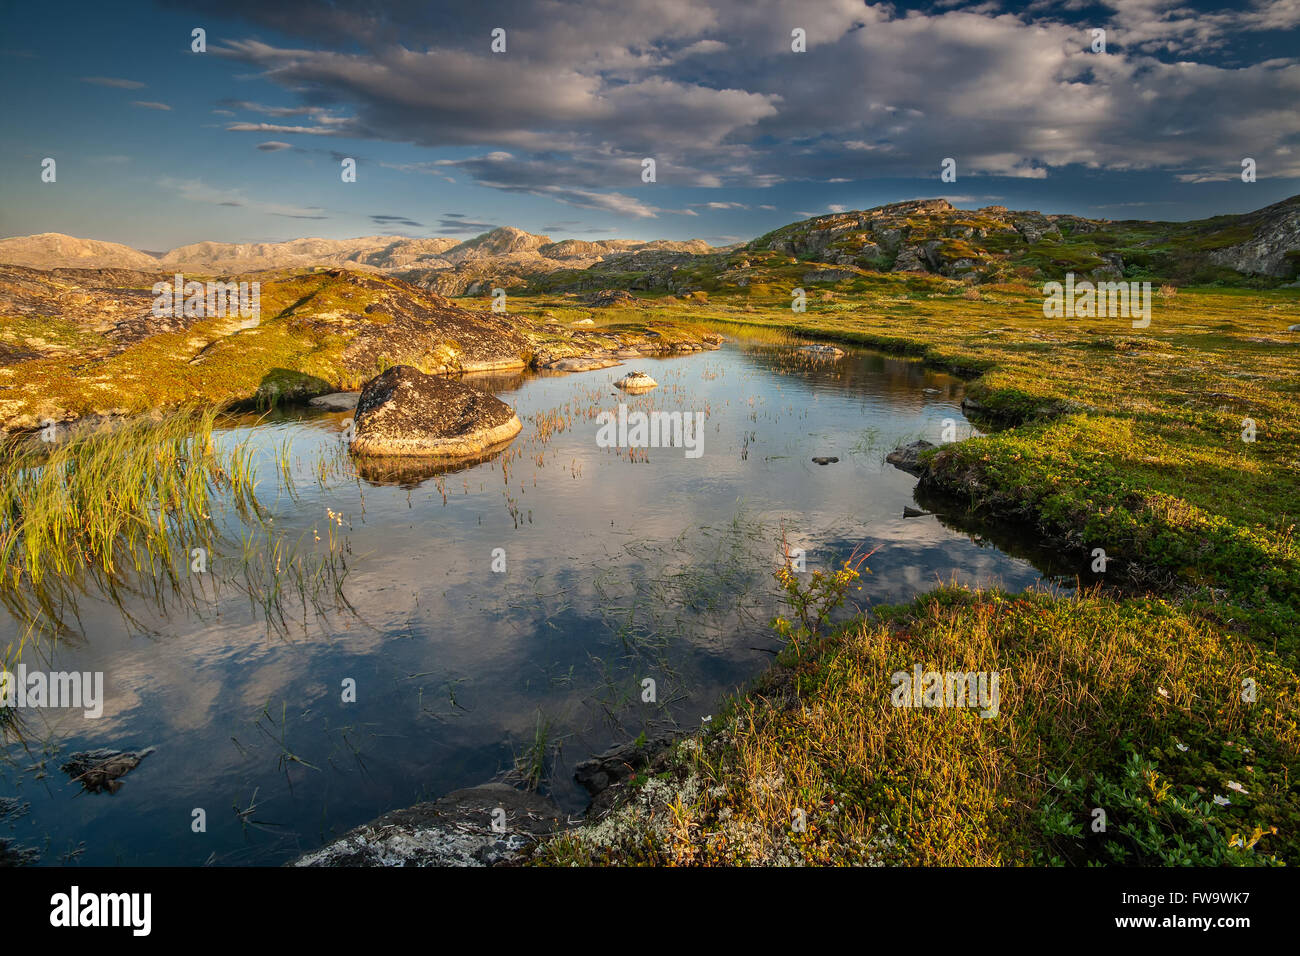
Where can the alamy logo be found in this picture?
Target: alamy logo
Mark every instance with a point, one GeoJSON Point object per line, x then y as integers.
{"type": "Point", "coordinates": [651, 430]}
{"type": "Point", "coordinates": [1086, 300]}
{"type": "Point", "coordinates": [973, 689]}
{"type": "Point", "coordinates": [74, 908]}
{"type": "Point", "coordinates": [212, 300]}
{"type": "Point", "coordinates": [53, 689]}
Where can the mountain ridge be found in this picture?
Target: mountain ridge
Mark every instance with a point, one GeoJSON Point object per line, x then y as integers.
{"type": "Point", "coordinates": [932, 236]}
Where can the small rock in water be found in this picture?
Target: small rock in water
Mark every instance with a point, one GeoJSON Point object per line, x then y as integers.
{"type": "Point", "coordinates": [636, 382]}
{"type": "Point", "coordinates": [910, 512]}
{"type": "Point", "coordinates": [584, 322]}
{"type": "Point", "coordinates": [1293, 328]}
{"type": "Point", "coordinates": [100, 770]}
{"type": "Point", "coordinates": [906, 457]}
{"type": "Point", "coordinates": [825, 460]}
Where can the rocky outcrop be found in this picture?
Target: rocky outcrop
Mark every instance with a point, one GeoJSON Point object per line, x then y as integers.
{"type": "Point", "coordinates": [828, 275]}
{"type": "Point", "coordinates": [406, 413]}
{"type": "Point", "coordinates": [911, 258]}
{"type": "Point", "coordinates": [480, 826]}
{"type": "Point", "coordinates": [581, 363]}
{"type": "Point", "coordinates": [1274, 247]}
{"type": "Point", "coordinates": [607, 297]}
{"type": "Point", "coordinates": [1035, 227]}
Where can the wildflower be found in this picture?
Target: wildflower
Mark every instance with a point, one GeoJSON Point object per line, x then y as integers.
{"type": "Point", "coordinates": [1162, 692]}
{"type": "Point", "coordinates": [1233, 785]}
{"type": "Point", "coordinates": [1182, 747]}
{"type": "Point", "coordinates": [1221, 801]}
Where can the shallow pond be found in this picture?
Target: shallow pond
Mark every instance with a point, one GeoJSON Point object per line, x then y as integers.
{"type": "Point", "coordinates": [618, 566]}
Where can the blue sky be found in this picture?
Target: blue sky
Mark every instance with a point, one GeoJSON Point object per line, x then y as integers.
{"type": "Point", "coordinates": [158, 146]}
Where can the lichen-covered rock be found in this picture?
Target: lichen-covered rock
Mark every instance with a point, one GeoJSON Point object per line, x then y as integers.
{"type": "Point", "coordinates": [404, 412]}
{"type": "Point", "coordinates": [456, 830]}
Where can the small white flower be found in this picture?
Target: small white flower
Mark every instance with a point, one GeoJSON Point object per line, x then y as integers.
{"type": "Point", "coordinates": [1182, 747]}
{"type": "Point", "coordinates": [1221, 801]}
{"type": "Point", "coordinates": [1233, 785]}
{"type": "Point", "coordinates": [1162, 692]}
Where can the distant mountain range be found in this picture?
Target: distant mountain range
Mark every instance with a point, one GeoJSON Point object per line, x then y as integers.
{"type": "Point", "coordinates": [918, 236]}
{"type": "Point", "coordinates": [506, 245]}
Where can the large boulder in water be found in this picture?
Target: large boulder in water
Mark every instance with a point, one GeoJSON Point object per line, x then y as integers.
{"type": "Point", "coordinates": [404, 412]}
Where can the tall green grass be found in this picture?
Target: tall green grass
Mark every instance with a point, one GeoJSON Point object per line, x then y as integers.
{"type": "Point", "coordinates": [118, 512]}
{"type": "Point", "coordinates": [117, 498]}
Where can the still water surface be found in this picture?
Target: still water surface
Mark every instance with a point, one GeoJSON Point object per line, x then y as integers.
{"type": "Point", "coordinates": [618, 568]}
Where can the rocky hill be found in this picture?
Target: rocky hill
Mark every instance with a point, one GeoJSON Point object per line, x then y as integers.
{"type": "Point", "coordinates": [933, 236]}
{"type": "Point", "coordinates": [993, 244]}
{"type": "Point", "coordinates": [53, 250]}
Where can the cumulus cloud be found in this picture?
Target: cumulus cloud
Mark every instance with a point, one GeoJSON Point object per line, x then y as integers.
{"type": "Point", "coordinates": [714, 94]}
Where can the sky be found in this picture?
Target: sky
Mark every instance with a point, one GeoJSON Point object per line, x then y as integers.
{"type": "Point", "coordinates": [157, 145]}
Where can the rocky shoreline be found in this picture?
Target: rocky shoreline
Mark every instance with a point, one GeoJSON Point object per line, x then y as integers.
{"type": "Point", "coordinates": [493, 824]}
